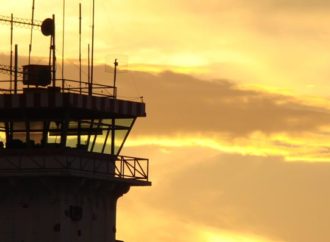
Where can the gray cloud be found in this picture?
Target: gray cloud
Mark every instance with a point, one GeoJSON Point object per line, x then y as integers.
{"type": "Point", "coordinates": [181, 103]}
{"type": "Point", "coordinates": [178, 103]}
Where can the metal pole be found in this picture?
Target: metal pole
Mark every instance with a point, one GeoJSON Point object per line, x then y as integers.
{"type": "Point", "coordinates": [54, 54]}
{"type": "Point", "coordinates": [80, 47]}
{"type": "Point", "coordinates": [31, 34]}
{"type": "Point", "coordinates": [113, 136]}
{"type": "Point", "coordinates": [89, 74]}
{"type": "Point", "coordinates": [63, 33]}
{"type": "Point", "coordinates": [11, 50]}
{"type": "Point", "coordinates": [92, 57]}
{"type": "Point", "coordinates": [114, 79]}
{"type": "Point", "coordinates": [80, 90]}
{"type": "Point", "coordinates": [16, 69]}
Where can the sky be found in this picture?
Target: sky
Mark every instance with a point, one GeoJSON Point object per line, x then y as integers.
{"type": "Point", "coordinates": [238, 118]}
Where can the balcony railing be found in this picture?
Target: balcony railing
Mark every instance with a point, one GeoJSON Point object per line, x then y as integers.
{"type": "Point", "coordinates": [65, 86]}
{"type": "Point", "coordinates": [71, 162]}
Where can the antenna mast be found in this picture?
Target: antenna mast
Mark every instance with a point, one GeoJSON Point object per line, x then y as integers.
{"type": "Point", "coordinates": [115, 79]}
{"type": "Point", "coordinates": [80, 47]}
{"type": "Point", "coordinates": [16, 69]}
{"type": "Point", "coordinates": [92, 57]}
{"type": "Point", "coordinates": [63, 33]}
{"type": "Point", "coordinates": [11, 49]}
{"type": "Point", "coordinates": [53, 48]}
{"type": "Point", "coordinates": [31, 34]}
{"type": "Point", "coordinates": [88, 72]}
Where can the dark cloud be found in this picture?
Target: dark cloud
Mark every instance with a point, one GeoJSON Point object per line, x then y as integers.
{"type": "Point", "coordinates": [178, 103]}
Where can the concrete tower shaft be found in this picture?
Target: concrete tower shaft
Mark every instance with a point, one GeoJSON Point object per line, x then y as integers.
{"type": "Point", "coordinates": [63, 210]}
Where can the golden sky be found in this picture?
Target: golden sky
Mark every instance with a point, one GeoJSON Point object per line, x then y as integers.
{"type": "Point", "coordinates": [238, 112]}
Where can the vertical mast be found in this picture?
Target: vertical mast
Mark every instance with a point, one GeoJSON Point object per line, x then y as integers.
{"type": "Point", "coordinates": [31, 33]}
{"type": "Point", "coordinates": [16, 69]}
{"type": "Point", "coordinates": [88, 72]}
{"type": "Point", "coordinates": [80, 48]}
{"type": "Point", "coordinates": [63, 33]}
{"type": "Point", "coordinates": [54, 52]}
{"type": "Point", "coordinates": [11, 50]}
{"type": "Point", "coordinates": [92, 57]}
{"type": "Point", "coordinates": [115, 79]}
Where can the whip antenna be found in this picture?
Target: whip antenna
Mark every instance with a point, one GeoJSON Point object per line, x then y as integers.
{"type": "Point", "coordinates": [80, 47]}
{"type": "Point", "coordinates": [31, 33]}
{"type": "Point", "coordinates": [63, 34]}
{"type": "Point", "coordinates": [92, 54]}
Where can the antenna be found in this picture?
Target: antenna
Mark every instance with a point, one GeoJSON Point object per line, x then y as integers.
{"type": "Point", "coordinates": [11, 49]}
{"type": "Point", "coordinates": [88, 73]}
{"type": "Point", "coordinates": [31, 34]}
{"type": "Point", "coordinates": [115, 79]}
{"type": "Point", "coordinates": [92, 57]}
{"type": "Point", "coordinates": [63, 34]}
{"type": "Point", "coordinates": [80, 47]}
{"type": "Point", "coordinates": [16, 69]}
{"type": "Point", "coordinates": [54, 52]}
{"type": "Point", "coordinates": [48, 29]}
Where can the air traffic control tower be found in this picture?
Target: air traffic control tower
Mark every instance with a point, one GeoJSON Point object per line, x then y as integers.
{"type": "Point", "coordinates": [61, 171]}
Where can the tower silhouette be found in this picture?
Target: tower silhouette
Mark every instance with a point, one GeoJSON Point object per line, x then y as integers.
{"type": "Point", "coordinates": [61, 171]}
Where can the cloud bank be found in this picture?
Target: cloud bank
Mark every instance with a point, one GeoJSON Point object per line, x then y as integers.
{"type": "Point", "coordinates": [265, 197]}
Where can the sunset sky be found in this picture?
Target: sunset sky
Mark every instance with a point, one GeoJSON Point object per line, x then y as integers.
{"type": "Point", "coordinates": [238, 125]}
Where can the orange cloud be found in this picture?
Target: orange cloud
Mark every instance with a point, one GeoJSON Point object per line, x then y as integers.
{"type": "Point", "coordinates": [249, 198]}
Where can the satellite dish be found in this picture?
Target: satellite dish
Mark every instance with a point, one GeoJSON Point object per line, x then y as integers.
{"type": "Point", "coordinates": [47, 27]}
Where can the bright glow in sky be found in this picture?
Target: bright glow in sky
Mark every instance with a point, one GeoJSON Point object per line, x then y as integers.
{"type": "Point", "coordinates": [223, 236]}
{"type": "Point", "coordinates": [238, 119]}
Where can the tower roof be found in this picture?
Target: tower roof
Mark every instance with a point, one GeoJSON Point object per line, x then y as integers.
{"type": "Point", "coordinates": [46, 104]}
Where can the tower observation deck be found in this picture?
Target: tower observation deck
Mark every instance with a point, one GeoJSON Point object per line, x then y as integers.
{"type": "Point", "coordinates": [61, 168]}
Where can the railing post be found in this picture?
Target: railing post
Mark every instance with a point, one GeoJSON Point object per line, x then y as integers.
{"type": "Point", "coordinates": [122, 168]}
{"type": "Point", "coordinates": [147, 170]}
{"type": "Point", "coordinates": [134, 172]}
{"type": "Point", "coordinates": [63, 85]}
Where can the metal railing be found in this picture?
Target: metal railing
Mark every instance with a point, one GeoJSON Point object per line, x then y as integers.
{"type": "Point", "coordinates": [132, 167]}
{"type": "Point", "coordinates": [61, 161]}
{"type": "Point", "coordinates": [63, 85]}
{"type": "Point", "coordinates": [95, 89]}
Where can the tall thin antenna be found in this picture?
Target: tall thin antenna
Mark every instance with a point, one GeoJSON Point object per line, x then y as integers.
{"type": "Point", "coordinates": [63, 34]}
{"type": "Point", "coordinates": [80, 47]}
{"type": "Point", "coordinates": [16, 69]}
{"type": "Point", "coordinates": [92, 57]}
{"type": "Point", "coordinates": [53, 47]}
{"type": "Point", "coordinates": [31, 33]}
{"type": "Point", "coordinates": [88, 73]}
{"type": "Point", "coordinates": [80, 89]}
{"type": "Point", "coordinates": [11, 49]}
{"type": "Point", "coordinates": [115, 79]}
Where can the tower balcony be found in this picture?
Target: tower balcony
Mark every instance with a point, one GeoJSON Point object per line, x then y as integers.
{"type": "Point", "coordinates": [69, 162]}
{"type": "Point", "coordinates": [49, 131]}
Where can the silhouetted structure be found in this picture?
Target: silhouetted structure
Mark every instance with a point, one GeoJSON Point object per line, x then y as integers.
{"type": "Point", "coordinates": [60, 169]}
